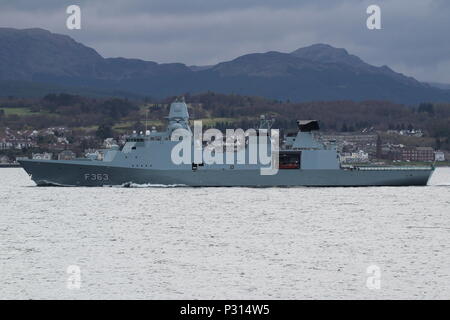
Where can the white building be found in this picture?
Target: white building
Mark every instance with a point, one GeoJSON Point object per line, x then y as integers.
{"type": "Point", "coordinates": [62, 140]}
{"type": "Point", "coordinates": [94, 154]}
{"type": "Point", "coordinates": [16, 144]}
{"type": "Point", "coordinates": [4, 159]}
{"type": "Point", "coordinates": [21, 158]}
{"type": "Point", "coordinates": [67, 155]}
{"type": "Point", "coordinates": [42, 156]}
{"type": "Point", "coordinates": [110, 143]}
{"type": "Point", "coordinates": [439, 156]}
{"type": "Point", "coordinates": [4, 145]}
{"type": "Point", "coordinates": [354, 157]}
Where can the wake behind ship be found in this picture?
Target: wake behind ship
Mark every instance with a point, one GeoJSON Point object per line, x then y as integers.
{"type": "Point", "coordinates": [146, 159]}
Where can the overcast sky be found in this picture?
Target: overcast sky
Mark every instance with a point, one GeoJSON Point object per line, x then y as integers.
{"type": "Point", "coordinates": [414, 40]}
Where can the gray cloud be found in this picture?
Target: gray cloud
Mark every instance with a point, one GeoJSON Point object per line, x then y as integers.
{"type": "Point", "coordinates": [413, 39]}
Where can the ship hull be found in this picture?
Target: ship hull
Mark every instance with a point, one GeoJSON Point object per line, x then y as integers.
{"type": "Point", "coordinates": [90, 173]}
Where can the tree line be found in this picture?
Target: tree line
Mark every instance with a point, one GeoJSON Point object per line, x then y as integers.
{"type": "Point", "coordinates": [230, 110]}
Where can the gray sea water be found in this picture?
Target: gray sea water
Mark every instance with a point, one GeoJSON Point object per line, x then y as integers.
{"type": "Point", "coordinates": [224, 243]}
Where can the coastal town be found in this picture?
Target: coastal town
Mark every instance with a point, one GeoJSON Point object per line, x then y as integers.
{"type": "Point", "coordinates": [354, 148]}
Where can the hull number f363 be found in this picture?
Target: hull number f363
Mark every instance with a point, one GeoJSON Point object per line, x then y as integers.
{"type": "Point", "coordinates": [96, 177]}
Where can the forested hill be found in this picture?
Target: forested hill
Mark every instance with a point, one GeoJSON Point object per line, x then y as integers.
{"type": "Point", "coordinates": [221, 111]}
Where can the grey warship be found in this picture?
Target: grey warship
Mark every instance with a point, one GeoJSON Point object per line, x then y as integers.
{"type": "Point", "coordinates": [145, 159]}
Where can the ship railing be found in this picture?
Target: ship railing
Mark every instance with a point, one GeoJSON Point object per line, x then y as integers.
{"type": "Point", "coordinates": [393, 168]}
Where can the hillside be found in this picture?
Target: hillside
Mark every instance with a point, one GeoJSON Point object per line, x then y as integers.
{"type": "Point", "coordinates": [36, 58]}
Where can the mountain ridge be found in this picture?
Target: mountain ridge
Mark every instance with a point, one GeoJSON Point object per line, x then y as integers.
{"type": "Point", "coordinates": [316, 72]}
